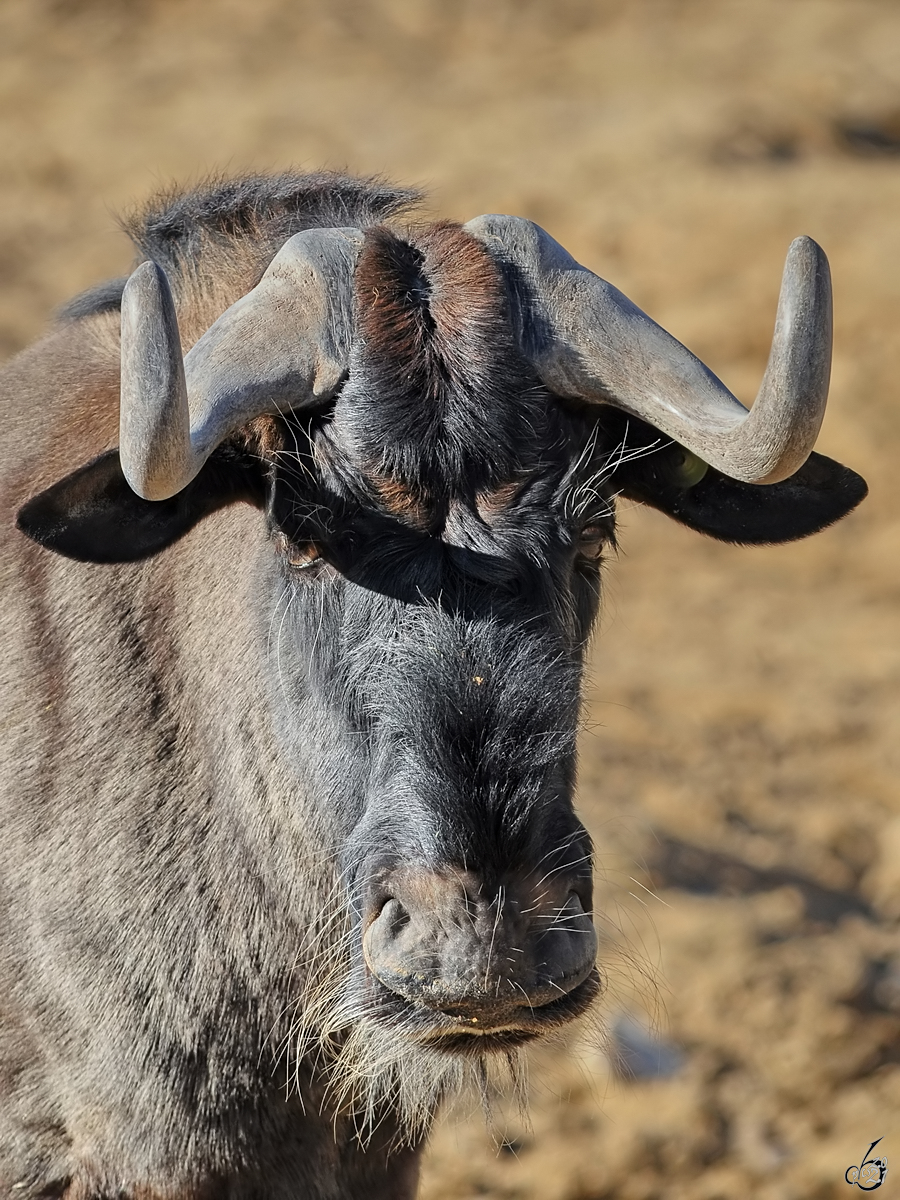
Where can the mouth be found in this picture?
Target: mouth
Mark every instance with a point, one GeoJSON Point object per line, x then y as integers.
{"type": "Point", "coordinates": [464, 1034]}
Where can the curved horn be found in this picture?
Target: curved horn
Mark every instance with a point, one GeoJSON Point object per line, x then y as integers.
{"type": "Point", "coordinates": [284, 345]}
{"type": "Point", "coordinates": [588, 340]}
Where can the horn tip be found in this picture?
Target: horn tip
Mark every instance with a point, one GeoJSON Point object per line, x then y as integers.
{"type": "Point", "coordinates": [147, 275]}
{"type": "Point", "coordinates": [805, 247]}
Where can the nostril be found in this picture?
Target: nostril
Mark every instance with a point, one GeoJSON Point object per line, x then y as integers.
{"type": "Point", "coordinates": [389, 942]}
{"type": "Point", "coordinates": [393, 916]}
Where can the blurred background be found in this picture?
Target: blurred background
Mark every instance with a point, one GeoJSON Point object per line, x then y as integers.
{"type": "Point", "coordinates": [741, 750]}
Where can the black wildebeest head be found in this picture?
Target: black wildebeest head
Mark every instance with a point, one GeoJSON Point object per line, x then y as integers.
{"type": "Point", "coordinates": [436, 424]}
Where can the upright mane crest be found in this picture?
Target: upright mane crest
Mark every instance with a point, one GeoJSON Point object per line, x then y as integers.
{"type": "Point", "coordinates": [214, 241]}
{"type": "Point", "coordinates": [259, 212]}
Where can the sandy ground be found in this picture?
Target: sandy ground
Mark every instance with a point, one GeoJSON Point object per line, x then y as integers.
{"type": "Point", "coordinates": [740, 755]}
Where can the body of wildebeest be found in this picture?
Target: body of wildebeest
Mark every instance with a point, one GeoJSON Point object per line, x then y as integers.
{"type": "Point", "coordinates": [291, 671]}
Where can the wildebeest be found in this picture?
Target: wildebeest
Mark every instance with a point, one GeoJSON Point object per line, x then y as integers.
{"type": "Point", "coordinates": [289, 715]}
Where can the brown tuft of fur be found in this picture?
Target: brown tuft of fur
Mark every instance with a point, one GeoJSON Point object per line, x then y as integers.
{"type": "Point", "coordinates": [439, 395]}
{"type": "Point", "coordinates": [493, 504]}
{"type": "Point", "coordinates": [402, 503]}
{"type": "Point", "coordinates": [451, 312]}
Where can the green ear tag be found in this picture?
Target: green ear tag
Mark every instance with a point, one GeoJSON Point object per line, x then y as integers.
{"type": "Point", "coordinates": [687, 468]}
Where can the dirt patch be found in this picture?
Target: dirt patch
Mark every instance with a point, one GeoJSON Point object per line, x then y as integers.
{"type": "Point", "coordinates": [741, 751]}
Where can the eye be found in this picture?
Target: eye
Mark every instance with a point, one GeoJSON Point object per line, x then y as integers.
{"type": "Point", "coordinates": [298, 555]}
{"type": "Point", "coordinates": [590, 541]}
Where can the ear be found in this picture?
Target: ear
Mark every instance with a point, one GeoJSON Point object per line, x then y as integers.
{"type": "Point", "coordinates": [94, 516]}
{"type": "Point", "coordinates": [674, 481]}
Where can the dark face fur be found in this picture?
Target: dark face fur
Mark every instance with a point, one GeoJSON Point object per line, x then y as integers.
{"type": "Point", "coordinates": [438, 592]}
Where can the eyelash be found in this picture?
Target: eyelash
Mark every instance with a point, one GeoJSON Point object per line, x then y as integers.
{"type": "Point", "coordinates": [298, 558]}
